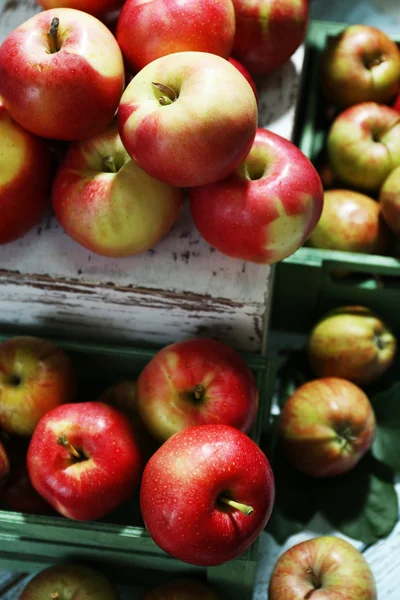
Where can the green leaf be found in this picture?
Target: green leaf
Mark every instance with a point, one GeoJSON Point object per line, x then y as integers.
{"type": "Point", "coordinates": [362, 503]}
{"type": "Point", "coordinates": [386, 446]}
{"type": "Point", "coordinates": [294, 503]}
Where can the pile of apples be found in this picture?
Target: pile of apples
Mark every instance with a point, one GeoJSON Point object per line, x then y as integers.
{"type": "Point", "coordinates": [360, 164]}
{"type": "Point", "coordinates": [179, 433]}
{"type": "Point", "coordinates": [143, 104]}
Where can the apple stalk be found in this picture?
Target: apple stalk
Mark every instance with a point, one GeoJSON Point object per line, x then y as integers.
{"type": "Point", "coordinates": [53, 34]}
{"type": "Point", "coordinates": [314, 579]}
{"type": "Point", "coordinates": [63, 441]}
{"type": "Point", "coordinates": [168, 94]}
{"type": "Point", "coordinates": [244, 508]}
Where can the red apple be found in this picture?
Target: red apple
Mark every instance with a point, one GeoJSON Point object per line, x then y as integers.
{"type": "Point", "coordinates": [351, 222]}
{"type": "Point", "coordinates": [245, 74]}
{"type": "Point", "coordinates": [107, 203]}
{"type": "Point", "coordinates": [25, 165]}
{"type": "Point", "coordinates": [364, 145]}
{"type": "Point", "coordinates": [35, 376]}
{"type": "Point", "coordinates": [206, 494]}
{"type": "Point", "coordinates": [360, 64]}
{"type": "Point", "coordinates": [351, 342]}
{"type": "Point", "coordinates": [268, 32]}
{"type": "Point", "coordinates": [84, 460]}
{"type": "Point", "coordinates": [323, 568]}
{"type": "Point", "coordinates": [195, 382]}
{"type": "Point", "coordinates": [396, 104]}
{"type": "Point", "coordinates": [266, 209]}
{"type": "Point", "coordinates": [182, 589]}
{"type": "Point", "coordinates": [148, 30]}
{"type": "Point", "coordinates": [98, 8]}
{"type": "Point", "coordinates": [389, 200]}
{"type": "Point", "coordinates": [61, 74]}
{"type": "Point", "coordinates": [4, 465]}
{"type": "Point", "coordinates": [326, 427]}
{"type": "Point", "coordinates": [69, 581]}
{"type": "Point", "coordinates": [188, 118]}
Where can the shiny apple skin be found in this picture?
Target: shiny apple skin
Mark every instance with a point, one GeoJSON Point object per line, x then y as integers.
{"type": "Point", "coordinates": [181, 485]}
{"type": "Point", "coordinates": [112, 214]}
{"type": "Point", "coordinates": [267, 208]}
{"type": "Point", "coordinates": [245, 74]}
{"type": "Point", "coordinates": [97, 8]}
{"type": "Point", "coordinates": [166, 388]}
{"type": "Point", "coordinates": [351, 222]}
{"type": "Point", "coordinates": [389, 200]}
{"type": "Point", "coordinates": [268, 32]}
{"type": "Point", "coordinates": [182, 589]}
{"type": "Point", "coordinates": [71, 94]}
{"type": "Point", "coordinates": [364, 145]}
{"type": "Point", "coordinates": [69, 581]}
{"type": "Point", "coordinates": [147, 30]}
{"type": "Point", "coordinates": [25, 166]}
{"type": "Point", "coordinates": [327, 426]}
{"type": "Point", "coordinates": [338, 566]}
{"type": "Point", "coordinates": [361, 64]}
{"type": "Point", "coordinates": [353, 343]}
{"type": "Point", "coordinates": [204, 134]}
{"type": "Point", "coordinates": [90, 489]}
{"type": "Point", "coordinates": [35, 377]}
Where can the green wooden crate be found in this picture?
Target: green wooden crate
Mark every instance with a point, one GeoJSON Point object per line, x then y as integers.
{"type": "Point", "coordinates": [308, 277]}
{"type": "Point", "coordinates": [119, 544]}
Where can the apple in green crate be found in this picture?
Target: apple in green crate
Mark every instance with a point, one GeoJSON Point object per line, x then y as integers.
{"type": "Point", "coordinates": [63, 581]}
{"type": "Point", "coordinates": [188, 118]}
{"type": "Point", "coordinates": [360, 64]}
{"type": "Point", "coordinates": [4, 465]}
{"type": "Point", "coordinates": [25, 164]}
{"type": "Point", "coordinates": [351, 222]}
{"type": "Point", "coordinates": [107, 203]}
{"type": "Point", "coordinates": [351, 342]}
{"type": "Point", "coordinates": [268, 32]}
{"type": "Point", "coordinates": [182, 589]}
{"type": "Point", "coordinates": [389, 200]}
{"type": "Point", "coordinates": [35, 377]}
{"type": "Point", "coordinates": [326, 427]}
{"type": "Point", "coordinates": [61, 74]}
{"type": "Point", "coordinates": [148, 30]}
{"type": "Point", "coordinates": [196, 382]}
{"type": "Point", "coordinates": [265, 209]}
{"type": "Point", "coordinates": [322, 568]}
{"type": "Point", "coordinates": [206, 494]}
{"type": "Point", "coordinates": [364, 145]}
{"type": "Point", "coordinates": [84, 460]}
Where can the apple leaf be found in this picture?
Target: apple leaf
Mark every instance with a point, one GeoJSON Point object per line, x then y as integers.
{"type": "Point", "coordinates": [386, 446]}
{"type": "Point", "coordinates": [362, 503]}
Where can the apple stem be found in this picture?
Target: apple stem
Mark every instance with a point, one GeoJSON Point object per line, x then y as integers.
{"type": "Point", "coordinates": [109, 164]}
{"type": "Point", "coordinates": [314, 579]}
{"type": "Point", "coordinates": [168, 94]}
{"type": "Point", "coordinates": [55, 596]}
{"type": "Point", "coordinates": [52, 35]}
{"type": "Point", "coordinates": [63, 441]}
{"type": "Point", "coordinates": [198, 391]}
{"type": "Point", "coordinates": [244, 508]}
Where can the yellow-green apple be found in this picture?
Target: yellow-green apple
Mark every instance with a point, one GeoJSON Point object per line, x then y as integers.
{"type": "Point", "coordinates": [4, 465]}
{"type": "Point", "coordinates": [149, 29]}
{"type": "Point", "coordinates": [364, 144]}
{"type": "Point", "coordinates": [206, 494]}
{"type": "Point", "coordinates": [326, 427]}
{"type": "Point", "coordinates": [389, 200]}
{"type": "Point", "coordinates": [352, 222]}
{"type": "Point", "coordinates": [84, 460]}
{"type": "Point", "coordinates": [97, 8]}
{"type": "Point", "coordinates": [69, 581]}
{"type": "Point", "coordinates": [35, 376]}
{"type": "Point", "coordinates": [360, 64]}
{"type": "Point", "coordinates": [25, 175]}
{"type": "Point", "coordinates": [182, 589]}
{"type": "Point", "coordinates": [195, 382]}
{"type": "Point", "coordinates": [266, 209]}
{"type": "Point", "coordinates": [61, 74]}
{"type": "Point", "coordinates": [323, 568]}
{"type": "Point", "coordinates": [351, 342]}
{"type": "Point", "coordinates": [109, 204]}
{"type": "Point", "coordinates": [245, 74]}
{"type": "Point", "coordinates": [188, 118]}
{"type": "Point", "coordinates": [268, 32]}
